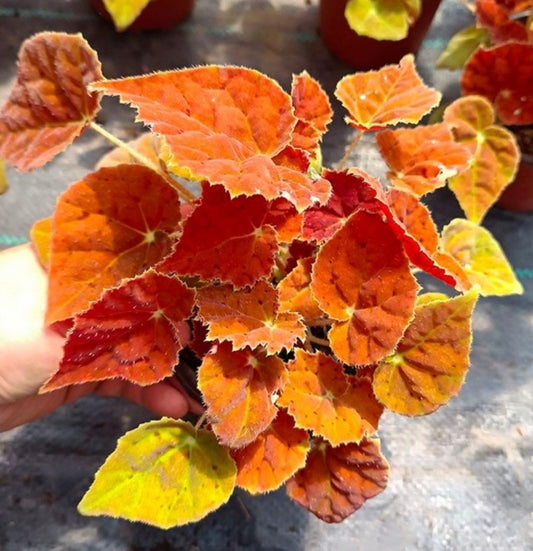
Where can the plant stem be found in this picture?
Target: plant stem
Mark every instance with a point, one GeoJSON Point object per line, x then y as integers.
{"type": "Point", "coordinates": [318, 340]}
{"type": "Point", "coordinates": [187, 195]}
{"type": "Point", "coordinates": [349, 150]}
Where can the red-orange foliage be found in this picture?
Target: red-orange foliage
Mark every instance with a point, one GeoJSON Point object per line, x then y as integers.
{"type": "Point", "coordinates": [296, 280]}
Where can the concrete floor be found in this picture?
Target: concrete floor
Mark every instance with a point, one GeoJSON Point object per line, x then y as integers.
{"type": "Point", "coordinates": [461, 479]}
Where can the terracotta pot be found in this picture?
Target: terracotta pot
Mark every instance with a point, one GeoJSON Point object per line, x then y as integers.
{"type": "Point", "coordinates": [518, 195]}
{"type": "Point", "coordinates": [361, 52]}
{"type": "Point", "coordinates": [158, 14]}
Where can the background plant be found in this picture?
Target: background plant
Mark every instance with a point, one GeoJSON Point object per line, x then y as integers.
{"type": "Point", "coordinates": [294, 286]}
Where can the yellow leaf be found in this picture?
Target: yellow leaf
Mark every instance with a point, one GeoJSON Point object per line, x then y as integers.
{"type": "Point", "coordinates": [494, 151]}
{"type": "Point", "coordinates": [382, 19]}
{"type": "Point", "coordinates": [430, 364]}
{"type": "Point", "coordinates": [461, 47]}
{"type": "Point", "coordinates": [164, 473]}
{"type": "Point", "coordinates": [481, 257]}
{"type": "Point", "coordinates": [124, 12]}
{"type": "Point", "coordinates": [3, 179]}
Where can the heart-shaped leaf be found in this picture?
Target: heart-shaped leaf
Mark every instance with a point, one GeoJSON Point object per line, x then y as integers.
{"type": "Point", "coordinates": [163, 473]}
{"type": "Point", "coordinates": [49, 105]}
{"type": "Point", "coordinates": [481, 258]}
{"type": "Point", "coordinates": [461, 46]}
{"type": "Point", "coordinates": [421, 159]}
{"type": "Point", "coordinates": [237, 387]}
{"type": "Point", "coordinates": [249, 317]}
{"type": "Point", "coordinates": [503, 75]}
{"type": "Point", "coordinates": [323, 399]}
{"type": "Point", "coordinates": [394, 94]}
{"type": "Point", "coordinates": [220, 230]}
{"type": "Point", "coordinates": [273, 457]}
{"type": "Point", "coordinates": [495, 155]}
{"type": "Point", "coordinates": [361, 278]}
{"type": "Point", "coordinates": [134, 332]}
{"type": "Point", "coordinates": [337, 481]}
{"type": "Point", "coordinates": [111, 225]}
{"type": "Point", "coordinates": [223, 124]}
{"type": "Point", "coordinates": [430, 363]}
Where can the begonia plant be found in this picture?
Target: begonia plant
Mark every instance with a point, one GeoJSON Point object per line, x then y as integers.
{"type": "Point", "coordinates": [218, 240]}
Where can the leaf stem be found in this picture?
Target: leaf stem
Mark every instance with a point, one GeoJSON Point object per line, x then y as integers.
{"type": "Point", "coordinates": [320, 322]}
{"type": "Point", "coordinates": [318, 340]}
{"type": "Point", "coordinates": [349, 149]}
{"type": "Point", "coordinates": [201, 421]}
{"type": "Point", "coordinates": [186, 195]}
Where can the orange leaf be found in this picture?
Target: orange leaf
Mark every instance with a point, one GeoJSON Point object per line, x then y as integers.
{"type": "Point", "coordinates": [238, 387]}
{"type": "Point", "coordinates": [394, 94]}
{"type": "Point", "coordinates": [111, 225]}
{"type": "Point", "coordinates": [41, 237]}
{"type": "Point", "coordinates": [416, 218]}
{"type": "Point", "coordinates": [148, 145]}
{"type": "Point", "coordinates": [496, 18]}
{"type": "Point", "coordinates": [431, 361]}
{"type": "Point", "coordinates": [503, 75]}
{"type": "Point", "coordinates": [494, 151]}
{"type": "Point", "coordinates": [221, 230]}
{"type": "Point", "coordinates": [322, 398]}
{"type": "Point", "coordinates": [421, 159]}
{"type": "Point", "coordinates": [337, 481]}
{"type": "Point", "coordinates": [225, 125]}
{"type": "Point", "coordinates": [134, 332]}
{"type": "Point", "coordinates": [362, 279]}
{"type": "Point", "coordinates": [285, 219]}
{"type": "Point", "coordinates": [295, 294]}
{"type": "Point", "coordinates": [313, 111]}
{"type": "Point", "coordinates": [49, 105]}
{"type": "Point", "coordinates": [276, 454]}
{"type": "Point", "coordinates": [249, 317]}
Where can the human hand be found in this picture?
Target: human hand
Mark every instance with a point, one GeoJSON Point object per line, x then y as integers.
{"type": "Point", "coordinates": [30, 353]}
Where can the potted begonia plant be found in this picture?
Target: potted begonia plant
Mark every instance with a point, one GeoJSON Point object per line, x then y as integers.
{"type": "Point", "coordinates": [367, 34]}
{"type": "Point", "coordinates": [144, 15]}
{"type": "Point", "coordinates": [496, 56]}
{"type": "Point", "coordinates": [294, 287]}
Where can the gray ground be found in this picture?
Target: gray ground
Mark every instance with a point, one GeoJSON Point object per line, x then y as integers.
{"type": "Point", "coordinates": [461, 479]}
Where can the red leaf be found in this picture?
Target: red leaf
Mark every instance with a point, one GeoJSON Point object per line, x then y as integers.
{"type": "Point", "coordinates": [221, 230]}
{"type": "Point", "coordinates": [276, 454]}
{"type": "Point", "coordinates": [49, 105]}
{"type": "Point", "coordinates": [503, 75]}
{"type": "Point", "coordinates": [394, 94]}
{"type": "Point", "coordinates": [285, 219]}
{"type": "Point", "coordinates": [134, 332]}
{"type": "Point", "coordinates": [350, 190]}
{"type": "Point", "coordinates": [249, 317]}
{"type": "Point", "coordinates": [237, 387]}
{"type": "Point", "coordinates": [225, 125]}
{"type": "Point", "coordinates": [322, 398]}
{"type": "Point", "coordinates": [422, 158]}
{"type": "Point", "coordinates": [111, 225]}
{"type": "Point", "coordinates": [337, 481]}
{"type": "Point", "coordinates": [362, 279]}
{"type": "Point", "coordinates": [497, 20]}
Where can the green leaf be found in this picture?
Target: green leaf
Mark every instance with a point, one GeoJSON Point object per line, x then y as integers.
{"type": "Point", "coordinates": [461, 46]}
{"type": "Point", "coordinates": [124, 12]}
{"type": "Point", "coordinates": [481, 257]}
{"type": "Point", "coordinates": [164, 473]}
{"type": "Point", "coordinates": [382, 19]}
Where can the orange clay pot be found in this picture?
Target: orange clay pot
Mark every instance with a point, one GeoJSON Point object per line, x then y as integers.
{"type": "Point", "coordinates": [361, 52]}
{"type": "Point", "coordinates": [158, 14]}
{"type": "Point", "coordinates": [518, 195]}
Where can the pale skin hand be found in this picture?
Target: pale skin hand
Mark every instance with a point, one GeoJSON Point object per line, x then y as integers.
{"type": "Point", "coordinates": [30, 353]}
